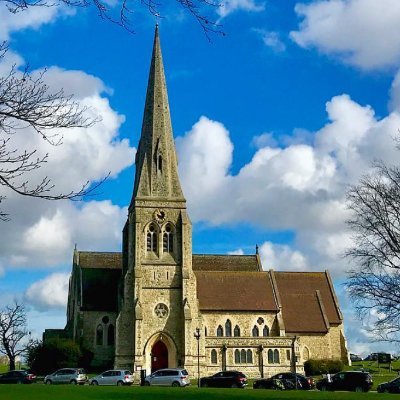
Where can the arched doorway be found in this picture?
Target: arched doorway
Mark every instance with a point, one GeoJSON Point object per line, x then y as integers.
{"type": "Point", "coordinates": [159, 356]}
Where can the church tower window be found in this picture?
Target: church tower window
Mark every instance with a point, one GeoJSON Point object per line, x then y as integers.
{"type": "Point", "coordinates": [168, 240]}
{"type": "Point", "coordinates": [152, 238]}
{"type": "Point", "coordinates": [110, 335]}
{"type": "Point", "coordinates": [255, 331]}
{"type": "Point", "coordinates": [236, 331]}
{"type": "Point", "coordinates": [228, 328]}
{"type": "Point", "coordinates": [265, 331]}
{"type": "Point", "coordinates": [220, 331]}
{"type": "Point", "coordinates": [99, 335]}
{"type": "Point", "coordinates": [214, 356]}
{"type": "Point", "coordinates": [159, 163]}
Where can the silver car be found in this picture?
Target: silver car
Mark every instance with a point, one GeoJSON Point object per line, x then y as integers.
{"type": "Point", "coordinates": [168, 377]}
{"type": "Point", "coordinates": [74, 376]}
{"type": "Point", "coordinates": [113, 377]}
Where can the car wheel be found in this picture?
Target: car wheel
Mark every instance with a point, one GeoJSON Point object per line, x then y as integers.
{"type": "Point", "coordinates": [234, 385]}
{"type": "Point", "coordinates": [120, 383]}
{"type": "Point", "coordinates": [95, 383]}
{"type": "Point", "coordinates": [48, 382]}
{"type": "Point", "coordinates": [73, 382]}
{"type": "Point", "coordinates": [323, 388]}
{"type": "Point", "coordinates": [358, 389]}
{"type": "Point", "coordinates": [175, 384]}
{"type": "Point", "coordinates": [147, 383]}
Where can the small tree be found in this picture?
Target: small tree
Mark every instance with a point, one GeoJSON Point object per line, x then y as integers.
{"type": "Point", "coordinates": [12, 331]}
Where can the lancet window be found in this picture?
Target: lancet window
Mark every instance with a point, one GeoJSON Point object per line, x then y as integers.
{"type": "Point", "coordinates": [255, 331]}
{"type": "Point", "coordinates": [168, 240]}
{"type": "Point", "coordinates": [151, 238]}
{"type": "Point", "coordinates": [228, 328]}
{"type": "Point", "coordinates": [236, 331]}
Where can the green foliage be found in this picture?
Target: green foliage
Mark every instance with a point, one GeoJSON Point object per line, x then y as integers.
{"type": "Point", "coordinates": [44, 358]}
{"type": "Point", "coordinates": [318, 367]}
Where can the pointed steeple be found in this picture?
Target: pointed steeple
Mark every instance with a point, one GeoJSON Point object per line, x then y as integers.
{"type": "Point", "coordinates": [156, 161]}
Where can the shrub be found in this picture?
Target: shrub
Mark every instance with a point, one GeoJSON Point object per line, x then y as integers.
{"type": "Point", "coordinates": [323, 366]}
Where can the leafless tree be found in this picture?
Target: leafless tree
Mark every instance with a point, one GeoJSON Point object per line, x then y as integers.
{"type": "Point", "coordinates": [13, 329]}
{"type": "Point", "coordinates": [122, 12]}
{"type": "Point", "coordinates": [27, 102]}
{"type": "Point", "coordinates": [374, 282]}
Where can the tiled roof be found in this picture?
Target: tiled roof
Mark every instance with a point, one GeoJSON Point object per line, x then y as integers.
{"type": "Point", "coordinates": [297, 292]}
{"type": "Point", "coordinates": [92, 259]}
{"type": "Point", "coordinates": [235, 291]}
{"type": "Point", "coordinates": [211, 262]}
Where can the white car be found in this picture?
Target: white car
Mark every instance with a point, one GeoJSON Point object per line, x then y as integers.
{"type": "Point", "coordinates": [117, 377]}
{"type": "Point", "coordinates": [74, 376]}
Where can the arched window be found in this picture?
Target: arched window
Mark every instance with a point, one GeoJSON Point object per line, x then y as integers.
{"type": "Point", "coordinates": [237, 356]}
{"type": "Point", "coordinates": [99, 335]}
{"type": "Point", "coordinates": [276, 356]}
{"type": "Point", "coordinates": [111, 335]}
{"type": "Point", "coordinates": [265, 331]}
{"type": "Point", "coordinates": [249, 356]}
{"type": "Point", "coordinates": [236, 331]}
{"type": "Point", "coordinates": [151, 238]}
{"type": "Point", "coordinates": [255, 331]}
{"type": "Point", "coordinates": [270, 356]}
{"type": "Point", "coordinates": [168, 240]}
{"type": "Point", "coordinates": [228, 328]}
{"type": "Point", "coordinates": [159, 163]}
{"type": "Point", "coordinates": [306, 354]}
{"type": "Point", "coordinates": [214, 356]}
{"type": "Point", "coordinates": [243, 356]}
{"type": "Point", "coordinates": [220, 331]}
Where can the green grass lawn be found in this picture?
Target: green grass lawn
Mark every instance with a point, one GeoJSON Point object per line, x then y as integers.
{"type": "Point", "coordinates": [68, 392]}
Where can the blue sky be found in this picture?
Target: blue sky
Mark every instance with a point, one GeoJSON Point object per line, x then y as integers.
{"type": "Point", "coordinates": [273, 121]}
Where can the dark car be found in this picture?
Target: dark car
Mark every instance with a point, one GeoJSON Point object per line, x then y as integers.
{"type": "Point", "coordinates": [284, 381]}
{"type": "Point", "coordinates": [17, 377]}
{"type": "Point", "coordinates": [389, 387]}
{"type": "Point", "coordinates": [350, 380]}
{"type": "Point", "coordinates": [233, 379]}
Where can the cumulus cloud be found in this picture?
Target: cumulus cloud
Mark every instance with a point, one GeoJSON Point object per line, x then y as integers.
{"type": "Point", "coordinates": [238, 252]}
{"type": "Point", "coordinates": [363, 33]}
{"type": "Point", "coordinates": [298, 188]}
{"type": "Point", "coordinates": [272, 40]}
{"type": "Point", "coordinates": [229, 6]}
{"type": "Point", "coordinates": [42, 233]}
{"type": "Point", "coordinates": [50, 292]}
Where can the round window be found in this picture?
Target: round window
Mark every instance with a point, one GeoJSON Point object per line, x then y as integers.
{"type": "Point", "coordinates": [161, 310]}
{"type": "Point", "coordinates": [105, 320]}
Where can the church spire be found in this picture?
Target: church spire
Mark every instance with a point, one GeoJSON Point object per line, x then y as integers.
{"type": "Point", "coordinates": [156, 161]}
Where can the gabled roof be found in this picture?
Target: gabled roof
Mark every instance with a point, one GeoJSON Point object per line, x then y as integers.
{"type": "Point", "coordinates": [94, 259]}
{"type": "Point", "coordinates": [301, 307]}
{"type": "Point", "coordinates": [211, 262]}
{"type": "Point", "coordinates": [235, 291]}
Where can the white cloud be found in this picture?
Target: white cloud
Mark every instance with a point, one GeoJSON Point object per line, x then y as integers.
{"type": "Point", "coordinates": [264, 140]}
{"type": "Point", "coordinates": [229, 6]}
{"type": "Point", "coordinates": [363, 33]}
{"type": "Point", "coordinates": [42, 233]}
{"type": "Point", "coordinates": [272, 40]}
{"type": "Point", "coordinates": [33, 18]}
{"type": "Point", "coordinates": [50, 292]}
{"type": "Point", "coordinates": [238, 252]}
{"type": "Point", "coordinates": [298, 187]}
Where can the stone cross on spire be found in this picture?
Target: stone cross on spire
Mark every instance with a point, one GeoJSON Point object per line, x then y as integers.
{"type": "Point", "coordinates": [156, 161]}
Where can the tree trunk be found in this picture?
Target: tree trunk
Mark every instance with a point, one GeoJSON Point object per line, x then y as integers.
{"type": "Point", "coordinates": [12, 363]}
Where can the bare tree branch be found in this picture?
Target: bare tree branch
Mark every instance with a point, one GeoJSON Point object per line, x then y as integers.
{"type": "Point", "coordinates": [374, 283]}
{"type": "Point", "coordinates": [12, 331]}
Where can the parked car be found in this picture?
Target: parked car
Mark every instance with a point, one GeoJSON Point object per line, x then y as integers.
{"type": "Point", "coordinates": [284, 381]}
{"type": "Point", "coordinates": [350, 380]}
{"type": "Point", "coordinates": [389, 387]}
{"type": "Point", "coordinates": [168, 377]}
{"type": "Point", "coordinates": [117, 377]}
{"type": "Point", "coordinates": [17, 376]}
{"type": "Point", "coordinates": [233, 379]}
{"type": "Point", "coordinates": [74, 376]}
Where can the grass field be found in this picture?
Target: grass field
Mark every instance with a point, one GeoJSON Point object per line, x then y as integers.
{"type": "Point", "coordinates": [67, 392]}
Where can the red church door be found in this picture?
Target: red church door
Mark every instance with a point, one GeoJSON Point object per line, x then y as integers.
{"type": "Point", "coordinates": [159, 356]}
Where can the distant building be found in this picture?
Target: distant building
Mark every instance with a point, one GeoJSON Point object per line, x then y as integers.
{"type": "Point", "coordinates": [140, 308]}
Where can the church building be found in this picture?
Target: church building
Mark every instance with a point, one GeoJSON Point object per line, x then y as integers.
{"type": "Point", "coordinates": [155, 304]}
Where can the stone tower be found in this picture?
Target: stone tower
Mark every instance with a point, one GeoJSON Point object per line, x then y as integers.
{"type": "Point", "coordinates": [158, 309]}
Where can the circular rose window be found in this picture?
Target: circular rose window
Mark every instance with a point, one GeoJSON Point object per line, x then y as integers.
{"type": "Point", "coordinates": [161, 310]}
